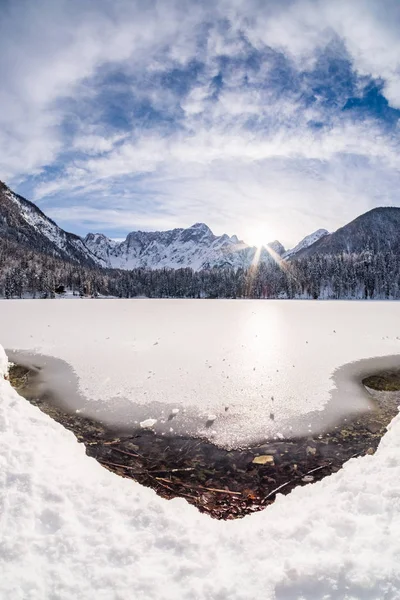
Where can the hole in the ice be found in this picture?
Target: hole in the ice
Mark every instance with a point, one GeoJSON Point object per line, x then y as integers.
{"type": "Point", "coordinates": [225, 484]}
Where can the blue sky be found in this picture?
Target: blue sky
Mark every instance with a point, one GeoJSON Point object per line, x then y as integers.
{"type": "Point", "coordinates": [261, 118]}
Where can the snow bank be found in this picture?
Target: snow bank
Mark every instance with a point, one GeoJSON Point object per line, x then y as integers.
{"type": "Point", "coordinates": [70, 529]}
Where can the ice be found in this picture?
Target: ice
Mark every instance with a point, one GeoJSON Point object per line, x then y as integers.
{"type": "Point", "coordinates": [71, 529]}
{"type": "Point", "coordinates": [252, 347]}
{"type": "Point", "coordinates": [148, 423]}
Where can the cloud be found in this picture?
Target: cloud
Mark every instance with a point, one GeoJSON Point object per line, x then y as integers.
{"type": "Point", "coordinates": [118, 115]}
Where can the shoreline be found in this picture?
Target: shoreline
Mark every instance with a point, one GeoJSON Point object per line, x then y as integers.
{"type": "Point", "coordinates": [226, 484]}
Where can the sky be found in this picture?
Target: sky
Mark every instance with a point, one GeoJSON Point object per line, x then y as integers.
{"type": "Point", "coordinates": [260, 118]}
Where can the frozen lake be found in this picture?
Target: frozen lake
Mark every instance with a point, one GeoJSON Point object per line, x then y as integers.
{"type": "Point", "coordinates": [236, 371]}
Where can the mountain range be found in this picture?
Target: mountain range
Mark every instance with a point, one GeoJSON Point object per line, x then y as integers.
{"type": "Point", "coordinates": [21, 221]}
{"type": "Point", "coordinates": [196, 247]}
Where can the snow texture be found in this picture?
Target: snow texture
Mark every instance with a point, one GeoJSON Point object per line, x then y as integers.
{"type": "Point", "coordinates": [71, 529]}
{"type": "Point", "coordinates": [140, 359]}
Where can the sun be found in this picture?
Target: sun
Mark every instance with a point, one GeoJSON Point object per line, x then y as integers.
{"type": "Point", "coordinates": [258, 235]}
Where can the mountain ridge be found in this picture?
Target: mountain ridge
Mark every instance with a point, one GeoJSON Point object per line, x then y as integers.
{"type": "Point", "coordinates": [196, 247]}
{"type": "Point", "coordinates": [377, 230]}
{"type": "Point", "coordinates": [23, 222]}
{"type": "Point", "coordinates": [307, 241]}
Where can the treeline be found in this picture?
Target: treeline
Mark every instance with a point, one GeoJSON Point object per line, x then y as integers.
{"type": "Point", "coordinates": [25, 273]}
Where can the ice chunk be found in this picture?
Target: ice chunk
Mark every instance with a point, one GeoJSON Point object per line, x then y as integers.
{"type": "Point", "coordinates": [148, 423]}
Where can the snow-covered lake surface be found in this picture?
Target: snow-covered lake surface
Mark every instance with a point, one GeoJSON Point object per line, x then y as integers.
{"type": "Point", "coordinates": [253, 368]}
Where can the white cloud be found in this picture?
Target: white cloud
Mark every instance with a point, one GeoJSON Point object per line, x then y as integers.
{"type": "Point", "coordinates": [94, 144]}
{"type": "Point", "coordinates": [370, 31]}
{"type": "Point", "coordinates": [212, 166]}
{"type": "Point", "coordinates": [294, 184]}
{"type": "Point", "coordinates": [47, 51]}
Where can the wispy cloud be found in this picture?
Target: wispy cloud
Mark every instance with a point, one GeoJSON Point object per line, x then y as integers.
{"type": "Point", "coordinates": [126, 115]}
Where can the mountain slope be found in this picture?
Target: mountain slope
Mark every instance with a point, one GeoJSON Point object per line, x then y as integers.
{"type": "Point", "coordinates": [23, 222]}
{"type": "Point", "coordinates": [306, 242]}
{"type": "Point", "coordinates": [377, 231]}
{"type": "Point", "coordinates": [277, 247]}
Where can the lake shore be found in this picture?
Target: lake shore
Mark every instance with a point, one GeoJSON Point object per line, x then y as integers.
{"type": "Point", "coordinates": [226, 484]}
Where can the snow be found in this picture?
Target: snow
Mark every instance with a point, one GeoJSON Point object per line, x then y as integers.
{"type": "Point", "coordinates": [140, 359]}
{"type": "Point", "coordinates": [71, 529]}
{"type": "Point", "coordinates": [306, 242]}
{"type": "Point", "coordinates": [45, 226]}
{"type": "Point", "coordinates": [195, 247]}
{"type": "Point", "coordinates": [38, 220]}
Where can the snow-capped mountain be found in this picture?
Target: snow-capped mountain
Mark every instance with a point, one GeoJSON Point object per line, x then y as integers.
{"type": "Point", "coordinates": [23, 222]}
{"type": "Point", "coordinates": [196, 247]}
{"type": "Point", "coordinates": [306, 242]}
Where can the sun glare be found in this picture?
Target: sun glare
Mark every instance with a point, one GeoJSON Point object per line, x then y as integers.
{"type": "Point", "coordinates": [258, 236]}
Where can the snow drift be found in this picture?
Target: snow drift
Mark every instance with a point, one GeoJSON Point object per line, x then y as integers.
{"type": "Point", "coordinates": [71, 529]}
